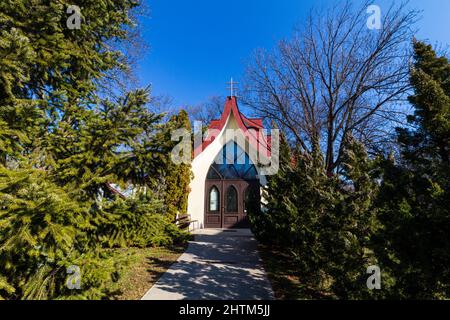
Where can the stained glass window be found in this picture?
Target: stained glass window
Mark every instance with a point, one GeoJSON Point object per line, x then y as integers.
{"type": "Point", "coordinates": [232, 163]}
{"type": "Point", "coordinates": [251, 197]}
{"type": "Point", "coordinates": [232, 201]}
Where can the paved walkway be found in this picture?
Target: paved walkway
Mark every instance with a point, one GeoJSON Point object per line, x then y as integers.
{"type": "Point", "coordinates": [217, 265]}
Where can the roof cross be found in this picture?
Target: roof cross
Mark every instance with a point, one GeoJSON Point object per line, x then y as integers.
{"type": "Point", "coordinates": [232, 87]}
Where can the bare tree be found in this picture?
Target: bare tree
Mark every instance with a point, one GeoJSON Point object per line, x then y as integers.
{"type": "Point", "coordinates": [335, 77]}
{"type": "Point", "coordinates": [206, 111]}
{"type": "Point", "coordinates": [163, 104]}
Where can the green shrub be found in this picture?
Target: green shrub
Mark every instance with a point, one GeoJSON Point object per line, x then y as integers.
{"type": "Point", "coordinates": [136, 222]}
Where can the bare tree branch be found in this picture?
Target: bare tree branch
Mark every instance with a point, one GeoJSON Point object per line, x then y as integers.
{"type": "Point", "coordinates": [335, 77]}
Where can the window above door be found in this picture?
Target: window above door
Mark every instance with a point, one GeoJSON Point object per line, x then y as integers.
{"type": "Point", "coordinates": [232, 163]}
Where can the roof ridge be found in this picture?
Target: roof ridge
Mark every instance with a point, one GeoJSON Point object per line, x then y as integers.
{"type": "Point", "coordinates": [243, 122]}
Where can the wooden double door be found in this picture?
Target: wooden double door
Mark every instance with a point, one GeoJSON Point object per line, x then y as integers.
{"type": "Point", "coordinates": [226, 202]}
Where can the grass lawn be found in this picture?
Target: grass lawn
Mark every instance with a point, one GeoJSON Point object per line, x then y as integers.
{"type": "Point", "coordinates": [281, 271]}
{"type": "Point", "coordinates": [143, 268]}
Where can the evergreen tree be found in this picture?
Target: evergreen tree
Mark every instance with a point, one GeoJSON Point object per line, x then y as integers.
{"type": "Point", "coordinates": [352, 222]}
{"type": "Point", "coordinates": [48, 71]}
{"type": "Point", "coordinates": [121, 142]}
{"type": "Point", "coordinates": [39, 227]}
{"type": "Point", "coordinates": [138, 221]}
{"type": "Point", "coordinates": [61, 142]}
{"type": "Point", "coordinates": [429, 143]}
{"type": "Point", "coordinates": [268, 223]}
{"type": "Point", "coordinates": [177, 176]}
{"type": "Point", "coordinates": [324, 222]}
{"type": "Point", "coordinates": [313, 195]}
{"type": "Point", "coordinates": [413, 245]}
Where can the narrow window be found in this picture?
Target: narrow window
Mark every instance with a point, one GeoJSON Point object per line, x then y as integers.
{"type": "Point", "coordinates": [232, 202]}
{"type": "Point", "coordinates": [246, 198]}
{"type": "Point", "coordinates": [214, 199]}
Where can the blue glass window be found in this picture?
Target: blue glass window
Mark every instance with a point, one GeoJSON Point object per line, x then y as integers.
{"type": "Point", "coordinates": [232, 163]}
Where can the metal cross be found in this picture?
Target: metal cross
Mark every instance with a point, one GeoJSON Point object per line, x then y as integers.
{"type": "Point", "coordinates": [231, 87]}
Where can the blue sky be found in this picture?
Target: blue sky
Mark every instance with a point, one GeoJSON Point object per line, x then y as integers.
{"type": "Point", "coordinates": [197, 45]}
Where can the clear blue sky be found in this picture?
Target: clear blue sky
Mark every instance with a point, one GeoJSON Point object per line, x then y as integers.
{"type": "Point", "coordinates": [197, 45]}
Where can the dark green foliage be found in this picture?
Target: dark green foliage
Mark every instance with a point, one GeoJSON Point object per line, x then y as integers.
{"type": "Point", "coordinates": [324, 222]}
{"type": "Point", "coordinates": [61, 142]}
{"type": "Point", "coordinates": [376, 211]}
{"type": "Point", "coordinates": [354, 221]}
{"type": "Point", "coordinates": [118, 142]}
{"type": "Point", "coordinates": [46, 69]}
{"type": "Point", "coordinates": [40, 226]}
{"type": "Point", "coordinates": [309, 199]}
{"type": "Point", "coordinates": [138, 222]}
{"type": "Point", "coordinates": [43, 230]}
{"type": "Point", "coordinates": [266, 224]}
{"type": "Point", "coordinates": [414, 242]}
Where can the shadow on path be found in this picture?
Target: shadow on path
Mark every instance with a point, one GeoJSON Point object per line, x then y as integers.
{"type": "Point", "coordinates": [217, 265]}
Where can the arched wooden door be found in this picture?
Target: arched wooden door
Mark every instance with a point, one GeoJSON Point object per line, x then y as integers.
{"type": "Point", "coordinates": [226, 187]}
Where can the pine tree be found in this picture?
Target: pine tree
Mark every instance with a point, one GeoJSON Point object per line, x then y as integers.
{"type": "Point", "coordinates": [61, 141]}
{"type": "Point", "coordinates": [352, 222]}
{"type": "Point", "coordinates": [120, 142]}
{"type": "Point", "coordinates": [48, 71]}
{"type": "Point", "coordinates": [430, 78]}
{"type": "Point", "coordinates": [39, 227]}
{"type": "Point", "coordinates": [138, 221]}
{"type": "Point", "coordinates": [324, 222]}
{"type": "Point", "coordinates": [268, 224]}
{"type": "Point", "coordinates": [19, 115]}
{"type": "Point", "coordinates": [413, 246]}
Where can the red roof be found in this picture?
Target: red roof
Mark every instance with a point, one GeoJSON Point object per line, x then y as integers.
{"type": "Point", "coordinates": [251, 128]}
